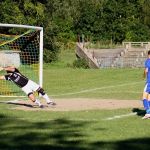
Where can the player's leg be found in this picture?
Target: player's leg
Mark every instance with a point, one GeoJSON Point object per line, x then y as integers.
{"type": "Point", "coordinates": [30, 94]}
{"type": "Point", "coordinates": [146, 105]}
{"type": "Point", "coordinates": [33, 99]}
{"type": "Point", "coordinates": [35, 87]}
{"type": "Point", "coordinates": [146, 101]}
{"type": "Point", "coordinates": [42, 93]}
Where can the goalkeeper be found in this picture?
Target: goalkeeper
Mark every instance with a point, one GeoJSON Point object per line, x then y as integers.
{"type": "Point", "coordinates": [27, 85]}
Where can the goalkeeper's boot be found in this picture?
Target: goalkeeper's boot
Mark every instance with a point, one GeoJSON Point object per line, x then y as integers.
{"type": "Point", "coordinates": [37, 102]}
{"type": "Point", "coordinates": [41, 106]}
{"type": "Point", "coordinates": [51, 103]}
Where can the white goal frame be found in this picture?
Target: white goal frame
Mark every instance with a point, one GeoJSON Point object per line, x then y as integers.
{"type": "Point", "coordinates": [40, 45]}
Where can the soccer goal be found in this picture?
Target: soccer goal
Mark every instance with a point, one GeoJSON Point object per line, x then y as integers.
{"type": "Point", "coordinates": [22, 47]}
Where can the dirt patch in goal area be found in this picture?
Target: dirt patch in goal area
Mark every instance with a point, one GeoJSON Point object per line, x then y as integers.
{"type": "Point", "coordinates": [78, 104]}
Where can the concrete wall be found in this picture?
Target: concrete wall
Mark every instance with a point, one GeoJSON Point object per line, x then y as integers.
{"type": "Point", "coordinates": [82, 52]}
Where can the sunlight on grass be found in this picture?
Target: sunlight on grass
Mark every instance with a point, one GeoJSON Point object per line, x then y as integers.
{"type": "Point", "coordinates": [112, 81]}
{"type": "Point", "coordinates": [86, 129]}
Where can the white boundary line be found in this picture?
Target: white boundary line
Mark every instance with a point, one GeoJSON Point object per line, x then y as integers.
{"type": "Point", "coordinates": [120, 116]}
{"type": "Point", "coordinates": [76, 119]}
{"type": "Point", "coordinates": [53, 119]}
{"type": "Point", "coordinates": [106, 119]}
{"type": "Point", "coordinates": [90, 90]}
{"type": "Point", "coordinates": [94, 89]}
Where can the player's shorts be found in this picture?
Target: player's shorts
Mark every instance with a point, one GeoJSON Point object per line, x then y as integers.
{"type": "Point", "coordinates": [147, 88]}
{"type": "Point", "coordinates": [30, 87]}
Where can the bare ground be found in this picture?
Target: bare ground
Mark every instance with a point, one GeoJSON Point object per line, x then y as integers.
{"type": "Point", "coordinates": [77, 104]}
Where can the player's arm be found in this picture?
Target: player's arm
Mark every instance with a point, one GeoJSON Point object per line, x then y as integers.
{"type": "Point", "coordinates": [145, 72]}
{"type": "Point", "coordinates": [8, 68]}
{"type": "Point", "coordinates": [1, 68]}
{"type": "Point", "coordinates": [2, 78]}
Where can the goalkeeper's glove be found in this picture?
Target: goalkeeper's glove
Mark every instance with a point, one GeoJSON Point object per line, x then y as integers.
{"type": "Point", "coordinates": [1, 68]}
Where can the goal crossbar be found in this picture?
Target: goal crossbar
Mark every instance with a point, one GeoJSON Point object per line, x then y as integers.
{"type": "Point", "coordinates": [21, 26]}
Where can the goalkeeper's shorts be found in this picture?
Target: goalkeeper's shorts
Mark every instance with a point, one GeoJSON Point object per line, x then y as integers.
{"type": "Point", "coordinates": [147, 88]}
{"type": "Point", "coordinates": [30, 87]}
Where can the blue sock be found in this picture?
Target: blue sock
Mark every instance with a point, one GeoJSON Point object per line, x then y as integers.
{"type": "Point", "coordinates": [146, 104]}
{"type": "Point", "coordinates": [148, 110]}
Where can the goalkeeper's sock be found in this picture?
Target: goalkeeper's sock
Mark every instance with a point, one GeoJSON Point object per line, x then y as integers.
{"type": "Point", "coordinates": [37, 102]}
{"type": "Point", "coordinates": [48, 100]}
{"type": "Point", "coordinates": [146, 104]}
{"type": "Point", "coordinates": [148, 110]}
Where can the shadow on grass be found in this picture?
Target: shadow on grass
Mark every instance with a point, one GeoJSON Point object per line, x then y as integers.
{"type": "Point", "coordinates": [139, 112]}
{"type": "Point", "coordinates": [15, 103]}
{"type": "Point", "coordinates": [59, 134]}
{"type": "Point", "coordinates": [131, 144]}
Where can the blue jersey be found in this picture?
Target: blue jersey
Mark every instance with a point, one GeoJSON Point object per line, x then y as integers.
{"type": "Point", "coordinates": [147, 65]}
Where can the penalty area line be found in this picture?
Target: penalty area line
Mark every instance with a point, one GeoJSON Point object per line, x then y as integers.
{"type": "Point", "coordinates": [95, 89]}
{"type": "Point", "coordinates": [120, 116]}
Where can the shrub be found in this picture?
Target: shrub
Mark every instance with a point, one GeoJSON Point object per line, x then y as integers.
{"type": "Point", "coordinates": [80, 63]}
{"type": "Point", "coordinates": [49, 56]}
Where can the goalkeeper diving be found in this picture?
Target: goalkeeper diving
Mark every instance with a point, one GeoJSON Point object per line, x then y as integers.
{"type": "Point", "coordinates": [26, 85]}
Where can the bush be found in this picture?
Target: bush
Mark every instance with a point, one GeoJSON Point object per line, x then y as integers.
{"type": "Point", "coordinates": [80, 63]}
{"type": "Point", "coordinates": [49, 56]}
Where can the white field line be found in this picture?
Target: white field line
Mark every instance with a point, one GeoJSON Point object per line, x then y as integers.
{"type": "Point", "coordinates": [120, 116]}
{"type": "Point", "coordinates": [53, 119]}
{"type": "Point", "coordinates": [86, 91]}
{"type": "Point", "coordinates": [134, 92]}
{"type": "Point", "coordinates": [75, 119]}
{"type": "Point", "coordinates": [94, 89]}
{"type": "Point", "coordinates": [90, 90]}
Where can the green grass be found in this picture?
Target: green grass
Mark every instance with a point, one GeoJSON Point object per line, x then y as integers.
{"type": "Point", "coordinates": [100, 83]}
{"type": "Point", "coordinates": [71, 130]}
{"type": "Point", "coordinates": [80, 130]}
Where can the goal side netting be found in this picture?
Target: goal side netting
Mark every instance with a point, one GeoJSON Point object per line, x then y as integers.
{"type": "Point", "coordinates": [22, 47]}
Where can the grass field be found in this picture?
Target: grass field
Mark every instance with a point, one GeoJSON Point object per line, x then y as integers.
{"type": "Point", "coordinates": [80, 130]}
{"type": "Point", "coordinates": [106, 83]}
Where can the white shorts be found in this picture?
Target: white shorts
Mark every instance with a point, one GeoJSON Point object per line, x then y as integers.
{"type": "Point", "coordinates": [30, 87]}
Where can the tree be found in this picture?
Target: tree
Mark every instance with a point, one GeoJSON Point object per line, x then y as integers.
{"type": "Point", "coordinates": [146, 12]}
{"type": "Point", "coordinates": [29, 12]}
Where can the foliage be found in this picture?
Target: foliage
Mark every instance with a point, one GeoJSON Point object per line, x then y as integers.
{"type": "Point", "coordinates": [146, 12]}
{"type": "Point", "coordinates": [64, 20]}
{"type": "Point", "coordinates": [80, 63]}
{"type": "Point", "coordinates": [49, 56]}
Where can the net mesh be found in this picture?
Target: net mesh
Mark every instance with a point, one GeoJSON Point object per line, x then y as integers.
{"type": "Point", "coordinates": [22, 51]}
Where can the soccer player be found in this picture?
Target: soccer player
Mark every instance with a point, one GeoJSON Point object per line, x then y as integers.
{"type": "Point", "coordinates": [27, 85]}
{"type": "Point", "coordinates": [146, 92]}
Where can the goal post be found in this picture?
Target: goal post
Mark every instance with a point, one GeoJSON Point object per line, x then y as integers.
{"type": "Point", "coordinates": [21, 46]}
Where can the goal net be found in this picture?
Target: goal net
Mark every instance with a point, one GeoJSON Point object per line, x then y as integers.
{"type": "Point", "coordinates": [22, 47]}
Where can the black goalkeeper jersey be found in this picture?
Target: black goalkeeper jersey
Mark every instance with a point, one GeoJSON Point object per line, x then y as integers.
{"type": "Point", "coordinates": [16, 77]}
